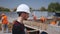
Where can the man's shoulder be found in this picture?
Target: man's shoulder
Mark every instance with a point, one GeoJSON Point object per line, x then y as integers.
{"type": "Point", "coordinates": [15, 22]}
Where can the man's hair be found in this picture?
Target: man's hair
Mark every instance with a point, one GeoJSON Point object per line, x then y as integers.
{"type": "Point", "coordinates": [19, 13]}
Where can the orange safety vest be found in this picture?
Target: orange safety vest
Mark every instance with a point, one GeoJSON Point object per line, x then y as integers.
{"type": "Point", "coordinates": [4, 20]}
{"type": "Point", "coordinates": [53, 22]}
{"type": "Point", "coordinates": [42, 19]}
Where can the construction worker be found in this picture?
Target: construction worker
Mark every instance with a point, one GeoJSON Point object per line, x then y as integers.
{"type": "Point", "coordinates": [53, 22]}
{"type": "Point", "coordinates": [43, 19]}
{"type": "Point", "coordinates": [4, 23]}
{"type": "Point", "coordinates": [23, 13]}
{"type": "Point", "coordinates": [34, 17]}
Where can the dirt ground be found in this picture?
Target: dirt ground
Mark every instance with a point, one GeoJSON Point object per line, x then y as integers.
{"type": "Point", "coordinates": [39, 25]}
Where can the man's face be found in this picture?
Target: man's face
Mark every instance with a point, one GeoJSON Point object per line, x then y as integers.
{"type": "Point", "coordinates": [26, 15]}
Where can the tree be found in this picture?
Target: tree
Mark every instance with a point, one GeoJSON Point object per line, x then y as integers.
{"type": "Point", "coordinates": [43, 9]}
{"type": "Point", "coordinates": [4, 9]}
{"type": "Point", "coordinates": [14, 9]}
{"type": "Point", "coordinates": [1, 8]}
{"type": "Point", "coordinates": [54, 7]}
{"type": "Point", "coordinates": [7, 10]}
{"type": "Point", "coordinates": [31, 9]}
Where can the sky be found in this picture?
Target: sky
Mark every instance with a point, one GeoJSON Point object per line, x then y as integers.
{"type": "Point", "coordinates": [36, 4]}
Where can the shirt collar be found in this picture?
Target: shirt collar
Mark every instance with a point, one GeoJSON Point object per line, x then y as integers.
{"type": "Point", "coordinates": [20, 19]}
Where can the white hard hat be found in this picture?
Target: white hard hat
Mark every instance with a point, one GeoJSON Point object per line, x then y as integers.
{"type": "Point", "coordinates": [23, 8]}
